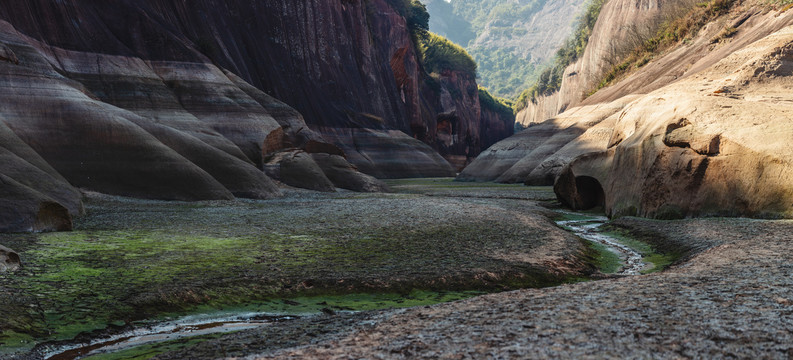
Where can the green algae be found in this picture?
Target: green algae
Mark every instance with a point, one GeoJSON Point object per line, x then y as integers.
{"type": "Point", "coordinates": [606, 260]}
{"type": "Point", "coordinates": [84, 280]}
{"type": "Point", "coordinates": [312, 305]}
{"type": "Point", "coordinates": [658, 260]}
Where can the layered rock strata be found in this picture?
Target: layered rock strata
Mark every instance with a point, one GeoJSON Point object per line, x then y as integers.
{"type": "Point", "coordinates": [716, 143]}
{"type": "Point", "coordinates": [169, 100]}
{"type": "Point", "coordinates": [692, 133]}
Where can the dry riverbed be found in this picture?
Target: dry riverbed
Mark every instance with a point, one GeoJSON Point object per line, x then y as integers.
{"type": "Point", "coordinates": [307, 253]}
{"type": "Point", "coordinates": [732, 298]}
{"type": "Point", "coordinates": [324, 257]}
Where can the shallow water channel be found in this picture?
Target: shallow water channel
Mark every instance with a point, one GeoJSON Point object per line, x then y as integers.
{"type": "Point", "coordinates": [586, 228]}
{"type": "Point", "coordinates": [166, 331]}
{"type": "Point", "coordinates": [254, 315]}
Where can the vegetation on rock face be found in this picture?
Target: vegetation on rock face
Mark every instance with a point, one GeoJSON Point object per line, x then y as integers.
{"type": "Point", "coordinates": [497, 34]}
{"type": "Point", "coordinates": [497, 105]}
{"type": "Point", "coordinates": [417, 16]}
{"type": "Point", "coordinates": [669, 34]}
{"type": "Point", "coordinates": [550, 80]}
{"type": "Point", "coordinates": [438, 54]}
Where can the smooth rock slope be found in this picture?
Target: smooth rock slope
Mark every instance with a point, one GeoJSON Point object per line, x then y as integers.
{"type": "Point", "coordinates": [698, 131]}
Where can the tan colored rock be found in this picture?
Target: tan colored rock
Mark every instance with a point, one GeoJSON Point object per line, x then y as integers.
{"type": "Point", "coordinates": [715, 143]}
{"type": "Point", "coordinates": [537, 154]}
{"type": "Point", "coordinates": [621, 24]}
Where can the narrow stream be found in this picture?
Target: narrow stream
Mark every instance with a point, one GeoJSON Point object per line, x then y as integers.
{"type": "Point", "coordinates": [172, 330]}
{"type": "Point", "coordinates": [585, 228]}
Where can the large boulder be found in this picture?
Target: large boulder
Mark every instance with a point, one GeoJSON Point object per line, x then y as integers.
{"type": "Point", "coordinates": [388, 154]}
{"type": "Point", "coordinates": [24, 209]}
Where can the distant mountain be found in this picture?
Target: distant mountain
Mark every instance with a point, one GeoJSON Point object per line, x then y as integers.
{"type": "Point", "coordinates": [510, 39]}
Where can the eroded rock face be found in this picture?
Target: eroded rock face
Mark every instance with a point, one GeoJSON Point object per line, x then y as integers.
{"type": "Point", "coordinates": [695, 132]}
{"type": "Point", "coordinates": [712, 144]}
{"type": "Point", "coordinates": [620, 27]}
{"type": "Point", "coordinates": [341, 64]}
{"type": "Point", "coordinates": [24, 209]}
{"type": "Point", "coordinates": [297, 168]}
{"type": "Point", "coordinates": [389, 154]}
{"type": "Point", "coordinates": [147, 144]}
{"type": "Point", "coordinates": [171, 100]}
{"type": "Point", "coordinates": [537, 154]}
{"type": "Point", "coordinates": [345, 175]}
{"type": "Point", "coordinates": [624, 22]}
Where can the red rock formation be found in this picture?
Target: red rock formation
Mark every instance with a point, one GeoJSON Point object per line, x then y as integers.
{"type": "Point", "coordinates": [341, 64]}
{"type": "Point", "coordinates": [177, 100]}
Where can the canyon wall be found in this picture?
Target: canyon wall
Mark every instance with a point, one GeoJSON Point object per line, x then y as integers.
{"type": "Point", "coordinates": [698, 131]}
{"type": "Point", "coordinates": [192, 100]}
{"type": "Point", "coordinates": [347, 66]}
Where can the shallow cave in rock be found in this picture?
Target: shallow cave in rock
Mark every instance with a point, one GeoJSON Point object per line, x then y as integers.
{"type": "Point", "coordinates": [590, 193]}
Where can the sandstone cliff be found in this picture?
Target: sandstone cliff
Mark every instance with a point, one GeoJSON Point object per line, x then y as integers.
{"type": "Point", "coordinates": [174, 100]}
{"type": "Point", "coordinates": [344, 65]}
{"type": "Point", "coordinates": [699, 130]}
{"type": "Point", "coordinates": [714, 143]}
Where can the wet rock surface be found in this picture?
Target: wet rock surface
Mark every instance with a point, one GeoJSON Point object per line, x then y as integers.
{"type": "Point", "coordinates": [733, 298]}
{"type": "Point", "coordinates": [9, 259]}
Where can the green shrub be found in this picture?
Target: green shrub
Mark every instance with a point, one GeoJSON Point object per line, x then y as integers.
{"type": "Point", "coordinates": [415, 13]}
{"type": "Point", "coordinates": [438, 54]}
{"type": "Point", "coordinates": [497, 105]}
{"type": "Point", "coordinates": [418, 18]}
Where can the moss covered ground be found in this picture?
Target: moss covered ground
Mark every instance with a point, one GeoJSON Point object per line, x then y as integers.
{"type": "Point", "coordinates": [130, 260]}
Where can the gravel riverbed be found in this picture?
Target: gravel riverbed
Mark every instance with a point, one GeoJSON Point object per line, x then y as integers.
{"type": "Point", "coordinates": [730, 294]}
{"type": "Point", "coordinates": [731, 298]}
{"type": "Point", "coordinates": [130, 260]}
